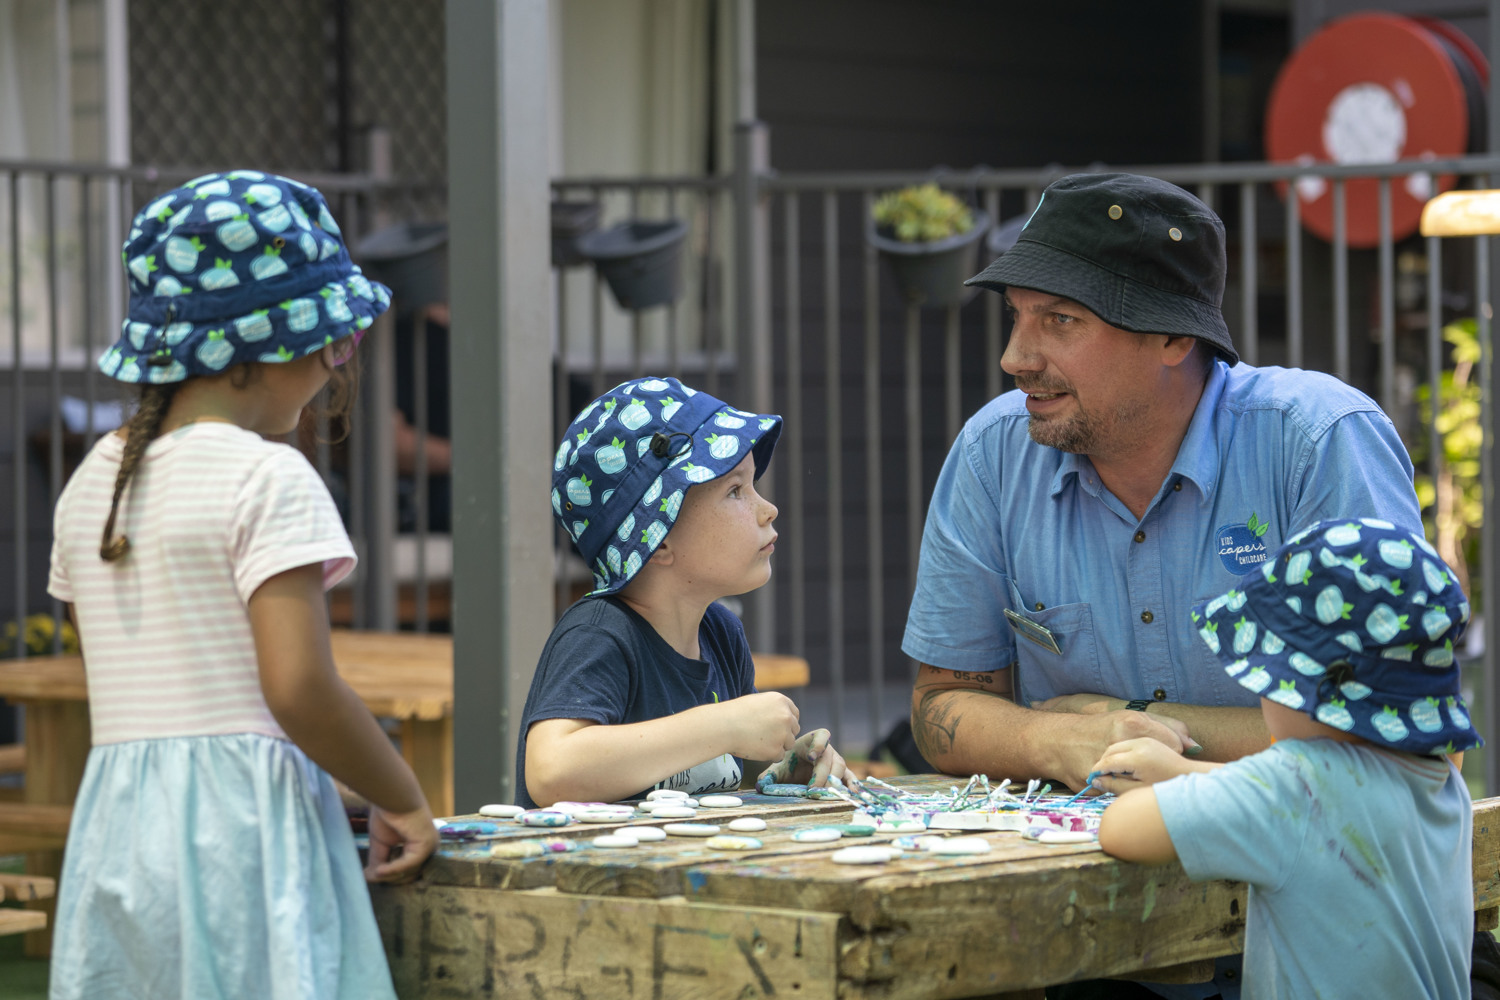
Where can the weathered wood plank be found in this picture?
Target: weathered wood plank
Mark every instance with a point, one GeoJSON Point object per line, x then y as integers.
{"type": "Point", "coordinates": [27, 887]}
{"type": "Point", "coordinates": [1486, 853]}
{"type": "Point", "coordinates": [14, 921]}
{"type": "Point", "coordinates": [446, 941]}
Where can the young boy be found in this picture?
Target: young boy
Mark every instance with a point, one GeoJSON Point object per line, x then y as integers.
{"type": "Point", "coordinates": [1353, 829]}
{"type": "Point", "coordinates": [647, 682]}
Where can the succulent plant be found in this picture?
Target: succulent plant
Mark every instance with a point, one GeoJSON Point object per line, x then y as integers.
{"type": "Point", "coordinates": [922, 214]}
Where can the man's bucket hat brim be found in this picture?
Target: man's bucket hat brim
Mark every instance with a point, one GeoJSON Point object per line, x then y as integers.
{"type": "Point", "coordinates": [628, 459]}
{"type": "Point", "coordinates": [232, 268]}
{"type": "Point", "coordinates": [1320, 629]}
{"type": "Point", "coordinates": [1140, 253]}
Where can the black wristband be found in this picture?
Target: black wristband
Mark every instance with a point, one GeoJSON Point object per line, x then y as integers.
{"type": "Point", "coordinates": [1138, 705]}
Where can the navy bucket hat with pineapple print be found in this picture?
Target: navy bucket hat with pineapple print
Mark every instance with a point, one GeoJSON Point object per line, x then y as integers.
{"type": "Point", "coordinates": [236, 267]}
{"type": "Point", "coordinates": [1352, 622]}
{"type": "Point", "coordinates": [628, 459]}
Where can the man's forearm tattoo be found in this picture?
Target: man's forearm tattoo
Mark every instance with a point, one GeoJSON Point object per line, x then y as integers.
{"type": "Point", "coordinates": [935, 723]}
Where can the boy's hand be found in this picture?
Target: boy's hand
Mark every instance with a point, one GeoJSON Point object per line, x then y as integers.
{"type": "Point", "coordinates": [1142, 761]}
{"type": "Point", "coordinates": [399, 844]}
{"type": "Point", "coordinates": [762, 726]}
{"type": "Point", "coordinates": [810, 760]}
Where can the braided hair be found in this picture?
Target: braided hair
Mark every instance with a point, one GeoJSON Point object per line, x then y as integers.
{"type": "Point", "coordinates": [142, 429]}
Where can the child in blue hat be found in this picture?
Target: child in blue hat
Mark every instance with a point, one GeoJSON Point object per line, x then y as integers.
{"type": "Point", "coordinates": [647, 682]}
{"type": "Point", "coordinates": [1354, 829]}
{"type": "Point", "coordinates": [209, 853]}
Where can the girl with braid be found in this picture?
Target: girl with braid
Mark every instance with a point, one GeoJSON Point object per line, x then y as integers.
{"type": "Point", "coordinates": [209, 854]}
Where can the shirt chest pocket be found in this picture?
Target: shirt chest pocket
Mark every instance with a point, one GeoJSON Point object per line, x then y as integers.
{"type": "Point", "coordinates": [1056, 652]}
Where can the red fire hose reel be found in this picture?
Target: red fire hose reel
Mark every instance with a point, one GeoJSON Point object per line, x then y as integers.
{"type": "Point", "coordinates": [1376, 88]}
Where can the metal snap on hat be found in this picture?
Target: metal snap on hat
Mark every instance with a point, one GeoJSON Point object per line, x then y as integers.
{"type": "Point", "coordinates": [627, 460]}
{"type": "Point", "coordinates": [1352, 622]}
{"type": "Point", "coordinates": [1141, 254]}
{"type": "Point", "coordinates": [236, 267]}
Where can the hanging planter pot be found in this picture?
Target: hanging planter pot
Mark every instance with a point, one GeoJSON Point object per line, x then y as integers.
{"type": "Point", "coordinates": [928, 272]}
{"type": "Point", "coordinates": [571, 220]}
{"type": "Point", "coordinates": [640, 259]}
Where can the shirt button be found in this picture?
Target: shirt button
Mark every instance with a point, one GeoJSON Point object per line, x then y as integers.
{"type": "Point", "coordinates": [1147, 617]}
{"type": "Point", "coordinates": [1159, 694]}
{"type": "Point", "coordinates": [1177, 486]}
{"type": "Point", "coordinates": [1140, 536]}
{"type": "Point", "coordinates": [1040, 606]}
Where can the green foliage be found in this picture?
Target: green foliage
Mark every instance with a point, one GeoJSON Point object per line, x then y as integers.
{"type": "Point", "coordinates": [1457, 519]}
{"type": "Point", "coordinates": [922, 214]}
{"type": "Point", "coordinates": [39, 631]}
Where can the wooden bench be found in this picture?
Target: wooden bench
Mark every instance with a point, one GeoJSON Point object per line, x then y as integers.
{"type": "Point", "coordinates": [24, 888]}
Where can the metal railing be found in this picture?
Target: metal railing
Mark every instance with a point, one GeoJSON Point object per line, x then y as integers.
{"type": "Point", "coordinates": [786, 306]}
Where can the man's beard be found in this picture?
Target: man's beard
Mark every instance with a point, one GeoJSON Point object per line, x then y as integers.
{"type": "Point", "coordinates": [1082, 432]}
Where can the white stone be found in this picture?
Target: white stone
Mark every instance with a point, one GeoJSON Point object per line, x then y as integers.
{"type": "Point", "coordinates": [605, 815]}
{"type": "Point", "coordinates": [720, 801]}
{"type": "Point", "coordinates": [615, 840]}
{"type": "Point", "coordinates": [501, 811]}
{"type": "Point", "coordinates": [1066, 837]}
{"type": "Point", "coordinates": [958, 845]}
{"type": "Point", "coordinates": [817, 835]}
{"type": "Point", "coordinates": [665, 793]}
{"type": "Point", "coordinates": [732, 843]}
{"type": "Point", "coordinates": [673, 812]}
{"type": "Point", "coordinates": [644, 834]}
{"type": "Point", "coordinates": [747, 824]}
{"type": "Point", "coordinates": [691, 829]}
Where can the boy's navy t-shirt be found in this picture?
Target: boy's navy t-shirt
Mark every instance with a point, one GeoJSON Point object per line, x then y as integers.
{"type": "Point", "coordinates": [605, 663]}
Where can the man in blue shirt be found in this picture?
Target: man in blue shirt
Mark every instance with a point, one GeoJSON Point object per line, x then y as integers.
{"type": "Point", "coordinates": [1136, 469]}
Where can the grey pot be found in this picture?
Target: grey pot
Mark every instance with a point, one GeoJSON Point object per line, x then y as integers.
{"type": "Point", "coordinates": [932, 274]}
{"type": "Point", "coordinates": [641, 259]}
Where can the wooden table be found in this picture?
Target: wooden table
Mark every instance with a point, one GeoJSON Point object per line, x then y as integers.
{"type": "Point", "coordinates": [677, 921]}
{"type": "Point", "coordinates": [405, 676]}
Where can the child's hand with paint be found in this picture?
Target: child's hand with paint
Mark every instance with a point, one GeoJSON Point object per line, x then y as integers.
{"type": "Point", "coordinates": [1140, 762]}
{"type": "Point", "coordinates": [760, 726]}
{"type": "Point", "coordinates": [810, 761]}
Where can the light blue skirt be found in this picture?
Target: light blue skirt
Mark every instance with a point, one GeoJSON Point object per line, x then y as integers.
{"type": "Point", "coordinates": [212, 867]}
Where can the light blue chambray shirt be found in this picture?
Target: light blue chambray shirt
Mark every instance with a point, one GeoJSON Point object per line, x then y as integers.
{"type": "Point", "coordinates": [1017, 525]}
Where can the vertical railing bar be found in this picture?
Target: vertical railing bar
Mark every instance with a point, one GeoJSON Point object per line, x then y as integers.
{"type": "Point", "coordinates": [674, 349]}
{"type": "Point", "coordinates": [1340, 281]}
{"type": "Point", "coordinates": [597, 342]}
{"type": "Point", "coordinates": [1487, 480]}
{"type": "Point", "coordinates": [708, 333]}
{"type": "Point", "coordinates": [420, 495]}
{"type": "Point", "coordinates": [1436, 459]}
{"type": "Point", "coordinates": [835, 464]}
{"type": "Point", "coordinates": [1387, 282]}
{"type": "Point", "coordinates": [794, 431]}
{"type": "Point", "coordinates": [992, 311]}
{"type": "Point", "coordinates": [874, 489]}
{"type": "Point", "coordinates": [913, 374]}
{"type": "Point", "coordinates": [562, 544]}
{"type": "Point", "coordinates": [54, 386]}
{"type": "Point", "coordinates": [635, 314]}
{"type": "Point", "coordinates": [18, 414]}
{"type": "Point", "coordinates": [1249, 281]}
{"type": "Point", "coordinates": [1293, 277]}
{"type": "Point", "coordinates": [90, 374]}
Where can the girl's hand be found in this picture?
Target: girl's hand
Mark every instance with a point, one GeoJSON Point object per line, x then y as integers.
{"type": "Point", "coordinates": [399, 844]}
{"type": "Point", "coordinates": [810, 760]}
{"type": "Point", "coordinates": [1142, 761]}
{"type": "Point", "coordinates": [761, 726]}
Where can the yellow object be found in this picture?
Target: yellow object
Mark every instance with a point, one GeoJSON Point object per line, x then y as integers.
{"type": "Point", "coordinates": [1462, 213]}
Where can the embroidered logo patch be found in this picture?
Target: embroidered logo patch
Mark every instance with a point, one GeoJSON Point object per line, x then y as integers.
{"type": "Point", "coordinates": [1240, 546]}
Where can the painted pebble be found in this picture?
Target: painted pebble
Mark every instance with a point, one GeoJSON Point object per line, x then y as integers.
{"type": "Point", "coordinates": [644, 834]}
{"type": "Point", "coordinates": [615, 840]}
{"type": "Point", "coordinates": [468, 831]}
{"type": "Point", "coordinates": [690, 829]}
{"type": "Point", "coordinates": [720, 801]}
{"type": "Point", "coordinates": [673, 812]}
{"type": "Point", "coordinates": [665, 793]}
{"type": "Point", "coordinates": [817, 835]}
{"type": "Point", "coordinates": [747, 824]}
{"type": "Point", "coordinates": [867, 854]}
{"type": "Point", "coordinates": [958, 845]}
{"type": "Point", "coordinates": [900, 826]}
{"type": "Point", "coordinates": [501, 811]}
{"type": "Point", "coordinates": [605, 815]}
{"type": "Point", "coordinates": [545, 817]}
{"type": "Point", "coordinates": [732, 843]}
